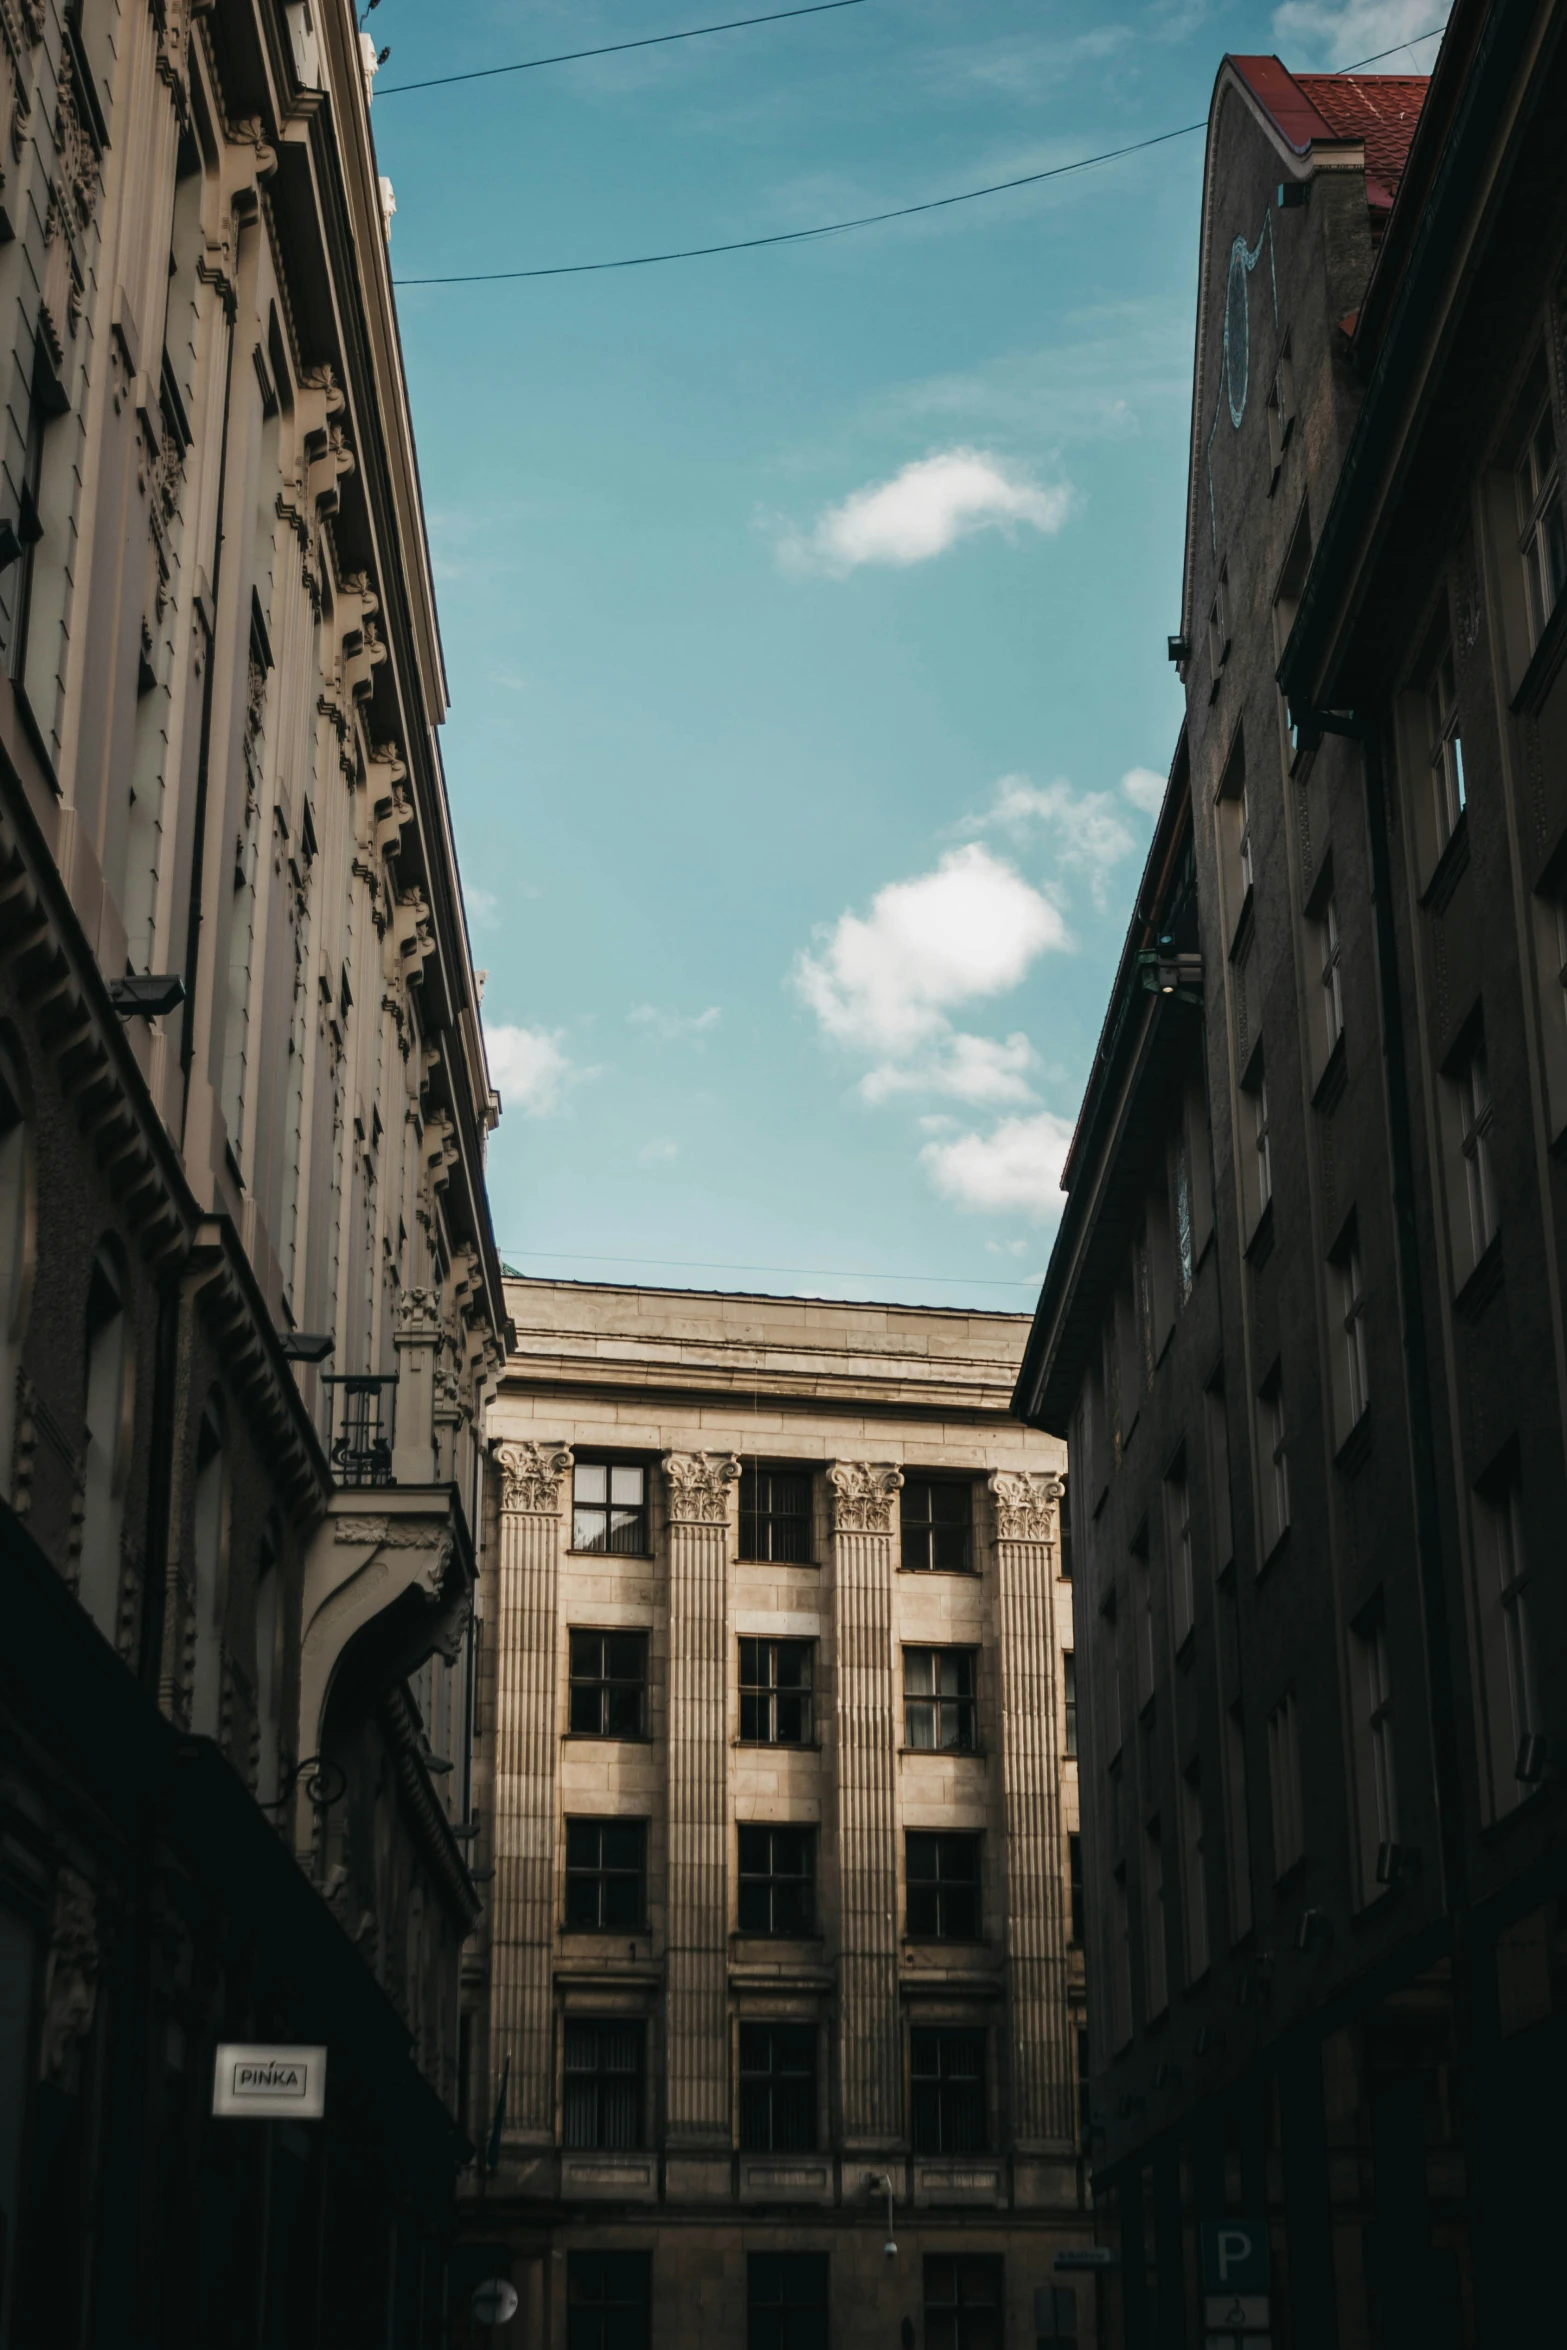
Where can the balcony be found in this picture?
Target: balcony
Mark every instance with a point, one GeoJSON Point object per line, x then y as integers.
{"type": "Point", "coordinates": [363, 1426]}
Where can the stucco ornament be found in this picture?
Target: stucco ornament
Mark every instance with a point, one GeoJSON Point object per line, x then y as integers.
{"type": "Point", "coordinates": [1026, 1504]}
{"type": "Point", "coordinates": [530, 1477]}
{"type": "Point", "coordinates": [699, 1485]}
{"type": "Point", "coordinates": [71, 1979]}
{"type": "Point", "coordinates": [863, 1495]}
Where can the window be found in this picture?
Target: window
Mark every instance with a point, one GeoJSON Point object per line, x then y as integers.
{"type": "Point", "coordinates": [1185, 1243]}
{"type": "Point", "coordinates": [106, 1444]}
{"type": "Point", "coordinates": [937, 1526]}
{"type": "Point", "coordinates": [777, 1880]}
{"type": "Point", "coordinates": [1194, 1877]}
{"type": "Point", "coordinates": [1472, 1087]}
{"type": "Point", "coordinates": [1064, 1521]}
{"type": "Point", "coordinates": [1218, 1433]}
{"type": "Point", "coordinates": [1055, 2317]}
{"type": "Point", "coordinates": [1158, 1985]}
{"type": "Point", "coordinates": [1281, 414]}
{"type": "Point", "coordinates": [1219, 624]}
{"type": "Point", "coordinates": [1351, 1392]}
{"type": "Point", "coordinates": [1074, 1858]}
{"type": "Point", "coordinates": [1069, 1701]}
{"type": "Point", "coordinates": [1329, 1022]}
{"type": "Point", "coordinates": [1237, 1824]}
{"type": "Point", "coordinates": [776, 1678]}
{"type": "Point", "coordinates": [786, 2301]}
{"type": "Point", "coordinates": [1178, 1536]}
{"type": "Point", "coordinates": [609, 1508]}
{"type": "Point", "coordinates": [1542, 540]}
{"type": "Point", "coordinates": [947, 2075]}
{"type": "Point", "coordinates": [938, 1699]}
{"type": "Point", "coordinates": [1273, 1465]}
{"type": "Point", "coordinates": [609, 1684]}
{"type": "Point", "coordinates": [1506, 1615]}
{"type": "Point", "coordinates": [609, 2300]}
{"type": "Point", "coordinates": [1286, 603]}
{"type": "Point", "coordinates": [606, 1876]}
{"type": "Point", "coordinates": [1445, 749]}
{"type": "Point", "coordinates": [1378, 1783]}
{"type": "Point", "coordinates": [963, 2301]}
{"type": "Point", "coordinates": [1289, 1831]}
{"type": "Point", "coordinates": [777, 2088]}
{"type": "Point", "coordinates": [604, 2103]}
{"type": "Point", "coordinates": [775, 1515]}
{"type": "Point", "coordinates": [1256, 1147]}
{"type": "Point", "coordinates": [943, 1886]}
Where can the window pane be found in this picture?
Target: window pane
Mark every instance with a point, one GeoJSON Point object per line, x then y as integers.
{"type": "Point", "coordinates": [587, 1529]}
{"type": "Point", "coordinates": [587, 1710]}
{"type": "Point", "coordinates": [624, 1712]}
{"type": "Point", "coordinates": [626, 1484]}
{"type": "Point", "coordinates": [589, 1482]}
{"type": "Point", "coordinates": [919, 1671]}
{"type": "Point", "coordinates": [622, 1844]}
{"type": "Point", "coordinates": [582, 1844]}
{"type": "Point", "coordinates": [623, 1656]}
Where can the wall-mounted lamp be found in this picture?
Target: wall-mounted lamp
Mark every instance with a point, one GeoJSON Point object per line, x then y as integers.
{"type": "Point", "coordinates": [880, 2183]}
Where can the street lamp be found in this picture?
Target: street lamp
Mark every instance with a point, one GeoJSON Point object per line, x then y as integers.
{"type": "Point", "coordinates": [882, 2181]}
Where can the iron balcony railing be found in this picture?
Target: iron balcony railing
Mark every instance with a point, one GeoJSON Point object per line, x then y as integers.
{"type": "Point", "coordinates": [363, 1427]}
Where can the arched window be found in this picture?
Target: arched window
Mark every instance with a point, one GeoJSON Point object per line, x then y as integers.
{"type": "Point", "coordinates": [210, 1560]}
{"type": "Point", "coordinates": [269, 1663]}
{"type": "Point", "coordinates": [107, 1441]}
{"type": "Point", "coordinates": [16, 1254]}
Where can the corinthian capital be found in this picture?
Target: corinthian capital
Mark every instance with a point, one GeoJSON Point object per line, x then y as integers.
{"type": "Point", "coordinates": [1027, 1502]}
{"type": "Point", "coordinates": [863, 1495]}
{"type": "Point", "coordinates": [699, 1485]}
{"type": "Point", "coordinates": [530, 1477]}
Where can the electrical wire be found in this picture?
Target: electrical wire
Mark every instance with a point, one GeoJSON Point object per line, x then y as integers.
{"type": "Point", "coordinates": [834, 228]}
{"type": "Point", "coordinates": [568, 1256]}
{"type": "Point", "coordinates": [735, 24]}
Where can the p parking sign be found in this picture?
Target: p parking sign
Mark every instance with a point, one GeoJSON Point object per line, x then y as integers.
{"type": "Point", "coordinates": [1234, 2256]}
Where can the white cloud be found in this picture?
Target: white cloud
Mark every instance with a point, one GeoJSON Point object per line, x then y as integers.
{"type": "Point", "coordinates": [1341, 32]}
{"type": "Point", "coordinates": [1088, 831]}
{"type": "Point", "coordinates": [884, 981]}
{"type": "Point", "coordinates": [927, 508]}
{"type": "Point", "coordinates": [1144, 787]}
{"type": "Point", "coordinates": [658, 1151]}
{"type": "Point", "coordinates": [482, 904]}
{"type": "Point", "coordinates": [672, 1024]}
{"type": "Point", "coordinates": [976, 1069]}
{"type": "Point", "coordinates": [528, 1067]}
{"type": "Point", "coordinates": [1017, 1166]}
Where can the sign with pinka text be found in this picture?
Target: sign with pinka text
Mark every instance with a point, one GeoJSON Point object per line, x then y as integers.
{"type": "Point", "coordinates": [269, 2083]}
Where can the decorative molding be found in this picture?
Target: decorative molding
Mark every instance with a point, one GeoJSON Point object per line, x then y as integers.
{"type": "Point", "coordinates": [530, 1477]}
{"type": "Point", "coordinates": [1027, 1505]}
{"type": "Point", "coordinates": [699, 1485]}
{"type": "Point", "coordinates": [863, 1495]}
{"type": "Point", "coordinates": [70, 1978]}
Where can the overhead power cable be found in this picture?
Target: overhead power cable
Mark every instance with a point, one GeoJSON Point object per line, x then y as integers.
{"type": "Point", "coordinates": [696, 32]}
{"type": "Point", "coordinates": [810, 1272]}
{"type": "Point", "coordinates": [834, 228]}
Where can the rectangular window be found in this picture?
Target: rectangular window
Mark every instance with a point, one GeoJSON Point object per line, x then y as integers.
{"type": "Point", "coordinates": [1351, 1390]}
{"type": "Point", "coordinates": [1542, 540]}
{"type": "Point", "coordinates": [1256, 1148]}
{"type": "Point", "coordinates": [777, 1880]}
{"type": "Point", "coordinates": [777, 1692]}
{"type": "Point", "coordinates": [1069, 1701]}
{"type": "Point", "coordinates": [1327, 1022]}
{"type": "Point", "coordinates": [775, 1515]}
{"type": "Point", "coordinates": [1064, 1533]}
{"type": "Point", "coordinates": [1475, 1119]}
{"type": "Point", "coordinates": [938, 1699]}
{"type": "Point", "coordinates": [786, 2301]}
{"type": "Point", "coordinates": [1185, 1237]}
{"type": "Point", "coordinates": [1219, 1475]}
{"type": "Point", "coordinates": [1289, 1831]}
{"type": "Point", "coordinates": [1055, 2317]}
{"type": "Point", "coordinates": [963, 2301]}
{"type": "Point", "coordinates": [609, 1684]}
{"type": "Point", "coordinates": [937, 1519]}
{"type": "Point", "coordinates": [1286, 603]}
{"type": "Point", "coordinates": [1507, 1630]}
{"type": "Point", "coordinates": [1219, 624]}
{"type": "Point", "coordinates": [1445, 749]}
{"type": "Point", "coordinates": [609, 2300]}
{"type": "Point", "coordinates": [603, 2083]}
{"type": "Point", "coordinates": [1237, 1824]}
{"type": "Point", "coordinates": [1142, 1588]}
{"type": "Point", "coordinates": [1378, 1782]}
{"type": "Point", "coordinates": [947, 2076]}
{"type": "Point", "coordinates": [943, 1887]}
{"type": "Point", "coordinates": [609, 1508]}
{"type": "Point", "coordinates": [606, 1876]}
{"type": "Point", "coordinates": [1281, 414]}
{"type": "Point", "coordinates": [1194, 1876]}
{"type": "Point", "coordinates": [1273, 1465]}
{"type": "Point", "coordinates": [1074, 1857]}
{"type": "Point", "coordinates": [1158, 1984]}
{"type": "Point", "coordinates": [777, 2088]}
{"type": "Point", "coordinates": [1178, 1538]}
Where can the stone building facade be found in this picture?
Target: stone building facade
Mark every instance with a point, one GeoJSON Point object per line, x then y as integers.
{"type": "Point", "coordinates": [250, 1307]}
{"type": "Point", "coordinates": [1303, 1325]}
{"type": "Point", "coordinates": [774, 1767]}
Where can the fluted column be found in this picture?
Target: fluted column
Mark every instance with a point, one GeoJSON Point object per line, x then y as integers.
{"type": "Point", "coordinates": [696, 2019]}
{"type": "Point", "coordinates": [527, 1634]}
{"type": "Point", "coordinates": [870, 2056]}
{"type": "Point", "coordinates": [1043, 2062]}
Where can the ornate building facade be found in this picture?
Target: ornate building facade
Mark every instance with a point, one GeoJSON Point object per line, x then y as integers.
{"type": "Point", "coordinates": [775, 1772]}
{"type": "Point", "coordinates": [250, 1308]}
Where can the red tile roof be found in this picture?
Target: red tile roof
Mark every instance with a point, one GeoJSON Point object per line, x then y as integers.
{"type": "Point", "coordinates": [1380, 110]}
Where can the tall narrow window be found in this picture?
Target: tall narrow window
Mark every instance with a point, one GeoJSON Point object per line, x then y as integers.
{"type": "Point", "coordinates": [1074, 1855]}
{"type": "Point", "coordinates": [777, 1880]}
{"type": "Point", "coordinates": [1507, 1621]}
{"type": "Point", "coordinates": [777, 2088]}
{"type": "Point", "coordinates": [1237, 1824]}
{"type": "Point", "coordinates": [1351, 1390]}
{"type": "Point", "coordinates": [964, 2302]}
{"type": "Point", "coordinates": [776, 1692]}
{"type": "Point", "coordinates": [1475, 1119]}
{"type": "Point", "coordinates": [1376, 1775]}
{"type": "Point", "coordinates": [1273, 1465]}
{"type": "Point", "coordinates": [938, 1699]}
{"type": "Point", "coordinates": [1281, 414]}
{"type": "Point", "coordinates": [1158, 1979]}
{"type": "Point", "coordinates": [786, 2300]}
{"type": "Point", "coordinates": [210, 1560]}
{"type": "Point", "coordinates": [1069, 1701]}
{"type": "Point", "coordinates": [1257, 1147]}
{"type": "Point", "coordinates": [609, 1507]}
{"type": "Point", "coordinates": [1327, 1021]}
{"type": "Point", "coordinates": [943, 1887]}
{"type": "Point", "coordinates": [606, 1876]}
{"type": "Point", "coordinates": [1194, 1876]}
{"type": "Point", "coordinates": [1219, 624]}
{"type": "Point", "coordinates": [1217, 1426]}
{"type": "Point", "coordinates": [609, 2300]}
{"type": "Point", "coordinates": [947, 2070]}
{"type": "Point", "coordinates": [1181, 1184]}
{"type": "Point", "coordinates": [1233, 825]}
{"type": "Point", "coordinates": [603, 2083]}
{"type": "Point", "coordinates": [1284, 1789]}
{"type": "Point", "coordinates": [608, 1684]}
{"type": "Point", "coordinates": [775, 1515]}
{"type": "Point", "coordinates": [937, 1533]}
{"type": "Point", "coordinates": [1445, 747]}
{"type": "Point", "coordinates": [1542, 539]}
{"type": "Point", "coordinates": [1178, 1545]}
{"type": "Point", "coordinates": [107, 1443]}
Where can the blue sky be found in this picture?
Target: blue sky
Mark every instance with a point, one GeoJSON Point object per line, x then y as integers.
{"type": "Point", "coordinates": [804, 610]}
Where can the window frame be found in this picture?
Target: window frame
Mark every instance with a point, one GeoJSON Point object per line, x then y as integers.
{"type": "Point", "coordinates": [1069, 1704]}
{"type": "Point", "coordinates": [772, 1877]}
{"type": "Point", "coordinates": [928, 1528]}
{"type": "Point", "coordinates": [962, 1703]}
{"type": "Point", "coordinates": [639, 1513]}
{"type": "Point", "coordinates": [606, 1683]}
{"type": "Point", "coordinates": [769, 1697]}
{"type": "Point", "coordinates": [944, 1888]}
{"type": "Point", "coordinates": [599, 2073]}
{"type": "Point", "coordinates": [761, 2335]}
{"type": "Point", "coordinates": [625, 2321]}
{"type": "Point", "coordinates": [1284, 1786]}
{"type": "Point", "coordinates": [1444, 747]}
{"type": "Point", "coordinates": [802, 2037]}
{"type": "Point", "coordinates": [1542, 528]}
{"type": "Point", "coordinates": [926, 2090]}
{"type": "Point", "coordinates": [754, 1517]}
{"type": "Point", "coordinates": [602, 1824]}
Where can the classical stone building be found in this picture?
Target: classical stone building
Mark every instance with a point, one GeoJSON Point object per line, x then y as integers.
{"type": "Point", "coordinates": [774, 1766]}
{"type": "Point", "coordinates": [1303, 1325]}
{"type": "Point", "coordinates": [249, 1299]}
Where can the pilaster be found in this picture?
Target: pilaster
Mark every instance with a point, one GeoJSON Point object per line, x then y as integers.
{"type": "Point", "coordinates": [523, 1929]}
{"type": "Point", "coordinates": [870, 2054]}
{"type": "Point", "coordinates": [696, 2020]}
{"type": "Point", "coordinates": [1027, 1508]}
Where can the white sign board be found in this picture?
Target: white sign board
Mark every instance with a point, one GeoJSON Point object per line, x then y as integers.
{"type": "Point", "coordinates": [269, 2083]}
